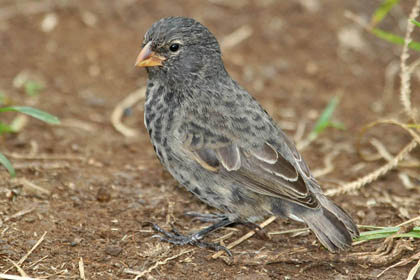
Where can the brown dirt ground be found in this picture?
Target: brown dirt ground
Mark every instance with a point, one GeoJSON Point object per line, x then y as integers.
{"type": "Point", "coordinates": [101, 199]}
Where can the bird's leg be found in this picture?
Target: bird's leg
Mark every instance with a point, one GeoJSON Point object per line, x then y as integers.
{"type": "Point", "coordinates": [176, 238]}
{"type": "Point", "coordinates": [214, 218]}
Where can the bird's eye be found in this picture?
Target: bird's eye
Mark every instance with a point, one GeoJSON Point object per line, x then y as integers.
{"type": "Point", "coordinates": [174, 47]}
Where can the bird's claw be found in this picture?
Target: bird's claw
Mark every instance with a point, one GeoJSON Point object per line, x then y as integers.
{"type": "Point", "coordinates": [176, 238]}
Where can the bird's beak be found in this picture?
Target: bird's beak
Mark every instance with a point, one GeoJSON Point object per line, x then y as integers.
{"type": "Point", "coordinates": [147, 57]}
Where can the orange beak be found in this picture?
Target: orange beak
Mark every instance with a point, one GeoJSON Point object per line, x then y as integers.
{"type": "Point", "coordinates": [148, 58]}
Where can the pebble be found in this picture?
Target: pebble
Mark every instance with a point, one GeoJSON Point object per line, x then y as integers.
{"type": "Point", "coordinates": [103, 195]}
{"type": "Point", "coordinates": [49, 22]}
{"type": "Point", "coordinates": [113, 250]}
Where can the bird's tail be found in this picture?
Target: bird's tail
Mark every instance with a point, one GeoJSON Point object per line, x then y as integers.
{"type": "Point", "coordinates": [340, 214]}
{"type": "Point", "coordinates": [329, 230]}
{"type": "Point", "coordinates": [333, 227]}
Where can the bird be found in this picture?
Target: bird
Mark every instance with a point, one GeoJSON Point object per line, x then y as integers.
{"type": "Point", "coordinates": [219, 143]}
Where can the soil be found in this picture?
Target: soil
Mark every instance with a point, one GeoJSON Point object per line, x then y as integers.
{"type": "Point", "coordinates": [98, 191]}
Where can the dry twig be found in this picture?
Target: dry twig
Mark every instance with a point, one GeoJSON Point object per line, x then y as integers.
{"type": "Point", "coordinates": [118, 112]}
{"type": "Point", "coordinates": [369, 178]}
{"type": "Point", "coordinates": [405, 69]}
{"type": "Point", "coordinates": [19, 214]}
{"type": "Point", "coordinates": [409, 221]}
{"type": "Point", "coordinates": [82, 269]}
{"type": "Point", "coordinates": [413, 271]}
{"type": "Point", "coordinates": [300, 255]}
{"type": "Point", "coordinates": [245, 237]}
{"type": "Point", "coordinates": [296, 230]}
{"type": "Point", "coordinates": [140, 274]}
{"type": "Point", "coordinates": [328, 165]}
{"type": "Point", "coordinates": [392, 163]}
{"type": "Point", "coordinates": [381, 149]}
{"type": "Point", "coordinates": [19, 269]}
{"type": "Point", "coordinates": [79, 124]}
{"type": "Point", "coordinates": [22, 260]}
{"type": "Point", "coordinates": [14, 277]}
{"type": "Point", "coordinates": [401, 263]}
{"type": "Point", "coordinates": [30, 185]}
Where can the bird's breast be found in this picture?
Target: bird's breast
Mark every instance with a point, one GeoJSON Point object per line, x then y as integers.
{"type": "Point", "coordinates": [160, 115]}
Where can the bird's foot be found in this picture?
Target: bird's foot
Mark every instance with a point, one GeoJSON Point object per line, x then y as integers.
{"type": "Point", "coordinates": [215, 218]}
{"type": "Point", "coordinates": [176, 238]}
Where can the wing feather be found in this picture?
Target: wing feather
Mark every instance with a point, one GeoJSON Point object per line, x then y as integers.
{"type": "Point", "coordinates": [261, 170]}
{"type": "Point", "coordinates": [229, 157]}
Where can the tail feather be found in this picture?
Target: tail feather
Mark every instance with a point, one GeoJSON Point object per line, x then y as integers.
{"type": "Point", "coordinates": [340, 214]}
{"type": "Point", "coordinates": [333, 227]}
{"type": "Point", "coordinates": [329, 230]}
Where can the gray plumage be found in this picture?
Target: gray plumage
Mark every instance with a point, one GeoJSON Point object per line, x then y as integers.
{"type": "Point", "coordinates": [218, 142]}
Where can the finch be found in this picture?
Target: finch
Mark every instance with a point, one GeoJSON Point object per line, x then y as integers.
{"type": "Point", "coordinates": [218, 142]}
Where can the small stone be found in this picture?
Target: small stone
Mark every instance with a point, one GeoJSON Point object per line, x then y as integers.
{"type": "Point", "coordinates": [89, 18]}
{"type": "Point", "coordinates": [49, 22]}
{"type": "Point", "coordinates": [76, 241]}
{"type": "Point", "coordinates": [77, 202]}
{"type": "Point", "coordinates": [113, 250]}
{"type": "Point", "coordinates": [103, 195]}
{"type": "Point", "coordinates": [371, 202]}
{"type": "Point", "coordinates": [350, 37]}
{"type": "Point", "coordinates": [30, 219]}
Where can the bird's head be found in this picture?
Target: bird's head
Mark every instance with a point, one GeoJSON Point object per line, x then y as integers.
{"type": "Point", "coordinates": [176, 48]}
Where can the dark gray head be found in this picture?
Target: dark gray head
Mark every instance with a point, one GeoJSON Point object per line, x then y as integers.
{"type": "Point", "coordinates": [179, 49]}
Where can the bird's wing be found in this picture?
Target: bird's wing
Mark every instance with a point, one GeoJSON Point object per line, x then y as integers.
{"type": "Point", "coordinates": [262, 170]}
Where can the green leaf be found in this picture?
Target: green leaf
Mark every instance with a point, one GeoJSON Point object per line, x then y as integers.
{"type": "Point", "coordinates": [7, 164]}
{"type": "Point", "coordinates": [38, 114]}
{"type": "Point", "coordinates": [412, 125]}
{"type": "Point", "coordinates": [415, 22]}
{"type": "Point", "coordinates": [338, 125]}
{"type": "Point", "coordinates": [414, 234]}
{"type": "Point", "coordinates": [324, 120]}
{"type": "Point", "coordinates": [32, 88]}
{"type": "Point", "coordinates": [382, 11]}
{"type": "Point", "coordinates": [386, 232]}
{"type": "Point", "coordinates": [370, 226]}
{"type": "Point", "coordinates": [4, 128]}
{"type": "Point", "coordinates": [395, 39]}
